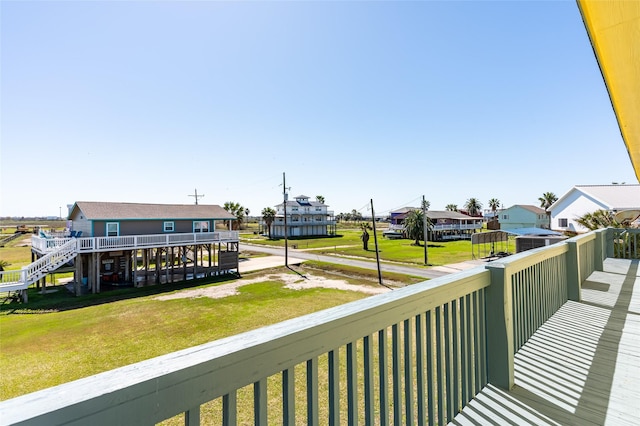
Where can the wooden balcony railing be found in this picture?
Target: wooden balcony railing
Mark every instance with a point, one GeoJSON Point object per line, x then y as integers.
{"type": "Point", "coordinates": [415, 355]}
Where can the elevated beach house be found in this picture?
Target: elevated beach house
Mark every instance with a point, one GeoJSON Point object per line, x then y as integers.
{"type": "Point", "coordinates": [304, 218]}
{"type": "Point", "coordinates": [445, 225]}
{"type": "Point", "coordinates": [133, 243]}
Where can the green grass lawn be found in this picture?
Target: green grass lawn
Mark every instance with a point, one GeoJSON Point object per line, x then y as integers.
{"type": "Point", "coordinates": [57, 338]}
{"type": "Point", "coordinates": [348, 243]}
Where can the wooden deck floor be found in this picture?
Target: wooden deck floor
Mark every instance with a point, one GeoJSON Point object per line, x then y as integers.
{"type": "Point", "coordinates": [582, 367]}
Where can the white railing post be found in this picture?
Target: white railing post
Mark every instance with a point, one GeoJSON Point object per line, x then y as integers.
{"type": "Point", "coordinates": [499, 315]}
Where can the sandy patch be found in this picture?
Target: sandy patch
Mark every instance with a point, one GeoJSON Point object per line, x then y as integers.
{"type": "Point", "coordinates": [294, 282]}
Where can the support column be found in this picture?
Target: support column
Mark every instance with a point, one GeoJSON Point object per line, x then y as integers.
{"type": "Point", "coordinates": [173, 262]}
{"type": "Point", "coordinates": [98, 267]}
{"type": "Point", "coordinates": [184, 259]}
{"type": "Point", "coordinates": [135, 268]}
{"type": "Point", "coordinates": [500, 346]}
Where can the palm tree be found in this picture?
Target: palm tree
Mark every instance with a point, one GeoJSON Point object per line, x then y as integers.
{"type": "Point", "coordinates": [598, 220]}
{"type": "Point", "coordinates": [452, 207]}
{"type": "Point", "coordinates": [320, 199]}
{"type": "Point", "coordinates": [365, 235]}
{"type": "Point", "coordinates": [268, 215]}
{"type": "Point", "coordinates": [473, 206]}
{"type": "Point", "coordinates": [546, 200]}
{"type": "Point", "coordinates": [494, 205]}
{"type": "Point", "coordinates": [414, 226]}
{"type": "Point", "coordinates": [235, 209]}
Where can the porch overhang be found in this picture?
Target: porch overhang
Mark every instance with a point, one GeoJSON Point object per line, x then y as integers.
{"type": "Point", "coordinates": [613, 27]}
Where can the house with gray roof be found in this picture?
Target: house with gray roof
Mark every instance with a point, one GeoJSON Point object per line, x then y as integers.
{"type": "Point", "coordinates": [109, 219]}
{"type": "Point", "coordinates": [523, 216]}
{"type": "Point", "coordinates": [583, 199]}
{"type": "Point", "coordinates": [115, 244]}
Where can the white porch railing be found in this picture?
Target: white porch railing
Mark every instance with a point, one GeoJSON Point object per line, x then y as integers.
{"type": "Point", "coordinates": [444, 227]}
{"type": "Point", "coordinates": [457, 227]}
{"type": "Point", "coordinates": [133, 242]}
{"type": "Point", "coordinates": [409, 356]}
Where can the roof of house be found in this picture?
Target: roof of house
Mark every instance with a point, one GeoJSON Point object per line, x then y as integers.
{"type": "Point", "coordinates": [98, 210]}
{"type": "Point", "coordinates": [613, 197]}
{"type": "Point", "coordinates": [295, 203]}
{"type": "Point", "coordinates": [437, 214]}
{"type": "Point", "coordinates": [404, 210]}
{"type": "Point", "coordinates": [532, 231]}
{"type": "Point", "coordinates": [533, 209]}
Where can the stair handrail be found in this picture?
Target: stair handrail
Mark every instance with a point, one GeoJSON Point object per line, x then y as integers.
{"type": "Point", "coordinates": [40, 267]}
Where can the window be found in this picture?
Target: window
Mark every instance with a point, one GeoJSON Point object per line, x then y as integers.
{"type": "Point", "coordinates": [294, 209]}
{"type": "Point", "coordinates": [562, 223]}
{"type": "Point", "coordinates": [318, 209]}
{"type": "Point", "coordinates": [505, 216]}
{"type": "Point", "coordinates": [169, 227]}
{"type": "Point", "coordinates": [113, 229]}
{"type": "Point", "coordinates": [200, 226]}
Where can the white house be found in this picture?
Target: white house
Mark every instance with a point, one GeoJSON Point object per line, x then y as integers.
{"type": "Point", "coordinates": [304, 218]}
{"type": "Point", "coordinates": [523, 216]}
{"type": "Point", "coordinates": [582, 199]}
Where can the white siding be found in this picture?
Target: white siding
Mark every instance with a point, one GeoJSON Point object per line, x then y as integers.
{"type": "Point", "coordinates": [571, 207]}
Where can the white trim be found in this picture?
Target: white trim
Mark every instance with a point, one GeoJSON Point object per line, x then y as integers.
{"type": "Point", "coordinates": [201, 228]}
{"type": "Point", "coordinates": [107, 232]}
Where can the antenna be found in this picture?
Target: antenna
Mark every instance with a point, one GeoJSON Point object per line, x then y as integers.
{"type": "Point", "coordinates": [196, 196]}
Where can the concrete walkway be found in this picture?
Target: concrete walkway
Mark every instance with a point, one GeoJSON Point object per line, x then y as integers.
{"type": "Point", "coordinates": [298, 256]}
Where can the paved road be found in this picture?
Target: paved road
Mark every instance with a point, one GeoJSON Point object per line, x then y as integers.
{"type": "Point", "coordinates": [433, 272]}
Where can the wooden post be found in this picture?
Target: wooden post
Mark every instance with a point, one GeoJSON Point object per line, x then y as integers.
{"type": "Point", "coordinates": [183, 258]}
{"type": "Point", "coordinates": [98, 267]}
{"type": "Point", "coordinates": [134, 267]}
{"type": "Point", "coordinates": [608, 241]}
{"type": "Point", "coordinates": [600, 249]}
{"type": "Point", "coordinates": [158, 268]}
{"type": "Point", "coordinates": [574, 280]}
{"type": "Point", "coordinates": [500, 346]}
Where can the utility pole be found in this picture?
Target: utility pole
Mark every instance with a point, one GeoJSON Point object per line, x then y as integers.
{"type": "Point", "coordinates": [425, 230]}
{"type": "Point", "coordinates": [286, 245]}
{"type": "Point", "coordinates": [196, 196]}
{"type": "Point", "coordinates": [375, 239]}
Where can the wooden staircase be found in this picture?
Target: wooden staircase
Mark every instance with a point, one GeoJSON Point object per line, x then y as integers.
{"type": "Point", "coordinates": [19, 280]}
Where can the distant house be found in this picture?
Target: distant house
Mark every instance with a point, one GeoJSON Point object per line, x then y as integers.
{"type": "Point", "coordinates": [523, 216]}
{"type": "Point", "coordinates": [304, 218]}
{"type": "Point", "coordinates": [582, 199]}
{"type": "Point", "coordinates": [446, 225]}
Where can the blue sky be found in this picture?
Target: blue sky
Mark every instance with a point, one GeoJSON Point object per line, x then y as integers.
{"type": "Point", "coordinates": [146, 101]}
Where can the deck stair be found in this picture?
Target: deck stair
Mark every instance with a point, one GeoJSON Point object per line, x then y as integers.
{"type": "Point", "coordinates": [20, 280]}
